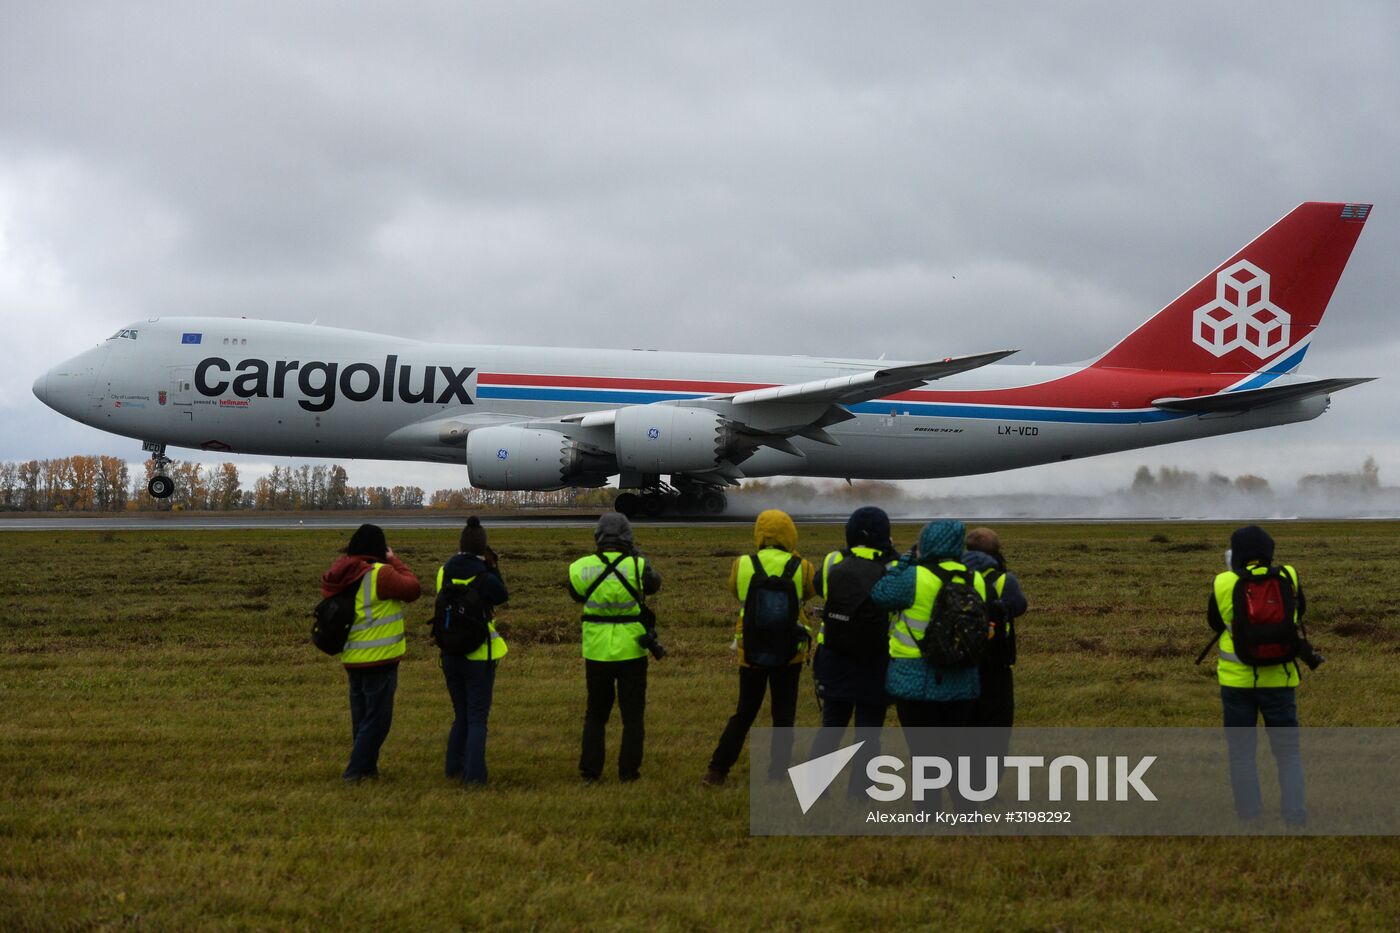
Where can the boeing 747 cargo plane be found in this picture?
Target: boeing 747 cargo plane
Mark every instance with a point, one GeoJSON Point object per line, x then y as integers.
{"type": "Point", "coordinates": [676, 429]}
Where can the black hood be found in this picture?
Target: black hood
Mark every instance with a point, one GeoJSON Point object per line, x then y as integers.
{"type": "Point", "coordinates": [1250, 543]}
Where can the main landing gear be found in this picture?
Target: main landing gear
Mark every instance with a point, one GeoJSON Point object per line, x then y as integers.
{"type": "Point", "coordinates": [160, 486]}
{"type": "Point", "coordinates": [662, 499]}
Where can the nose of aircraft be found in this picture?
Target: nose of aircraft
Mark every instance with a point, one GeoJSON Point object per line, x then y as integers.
{"type": "Point", "coordinates": [41, 388]}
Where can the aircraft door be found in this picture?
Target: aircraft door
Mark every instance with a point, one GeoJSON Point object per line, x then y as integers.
{"type": "Point", "coordinates": [182, 389]}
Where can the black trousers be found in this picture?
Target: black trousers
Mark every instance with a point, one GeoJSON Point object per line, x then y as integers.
{"type": "Point", "coordinates": [753, 683]}
{"type": "Point", "coordinates": [625, 682]}
{"type": "Point", "coordinates": [996, 706]}
{"type": "Point", "coordinates": [916, 716]}
{"type": "Point", "coordinates": [994, 710]}
{"type": "Point", "coordinates": [836, 716]}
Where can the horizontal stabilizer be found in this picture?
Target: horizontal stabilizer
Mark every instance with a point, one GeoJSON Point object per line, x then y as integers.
{"type": "Point", "coordinates": [1250, 399]}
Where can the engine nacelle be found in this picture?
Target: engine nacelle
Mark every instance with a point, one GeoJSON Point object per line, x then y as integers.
{"type": "Point", "coordinates": [511, 457]}
{"type": "Point", "coordinates": [670, 439]}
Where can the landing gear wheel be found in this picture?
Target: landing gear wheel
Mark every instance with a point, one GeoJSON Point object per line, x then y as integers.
{"type": "Point", "coordinates": [160, 487]}
{"type": "Point", "coordinates": [628, 503]}
{"type": "Point", "coordinates": [713, 503]}
{"type": "Point", "coordinates": [653, 506]}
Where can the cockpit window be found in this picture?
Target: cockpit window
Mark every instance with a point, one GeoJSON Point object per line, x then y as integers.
{"type": "Point", "coordinates": [125, 333]}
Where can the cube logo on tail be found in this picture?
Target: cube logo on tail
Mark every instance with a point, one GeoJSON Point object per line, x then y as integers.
{"type": "Point", "coordinates": [1241, 314]}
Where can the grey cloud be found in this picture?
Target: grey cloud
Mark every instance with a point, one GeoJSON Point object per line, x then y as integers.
{"type": "Point", "coordinates": [725, 177]}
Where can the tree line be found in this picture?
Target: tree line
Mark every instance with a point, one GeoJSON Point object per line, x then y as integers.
{"type": "Point", "coordinates": [108, 484]}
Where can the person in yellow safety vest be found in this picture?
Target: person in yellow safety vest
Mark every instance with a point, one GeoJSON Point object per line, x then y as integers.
{"type": "Point", "coordinates": [612, 583]}
{"type": "Point", "coordinates": [376, 644]}
{"type": "Point", "coordinates": [995, 707]}
{"type": "Point", "coordinates": [853, 642]}
{"type": "Point", "coordinates": [925, 695]}
{"type": "Point", "coordinates": [775, 537]}
{"type": "Point", "coordinates": [471, 677]}
{"type": "Point", "coordinates": [1248, 691]}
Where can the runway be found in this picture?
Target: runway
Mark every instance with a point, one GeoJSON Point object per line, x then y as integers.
{"type": "Point", "coordinates": [167, 521]}
{"type": "Point", "coordinates": [331, 520]}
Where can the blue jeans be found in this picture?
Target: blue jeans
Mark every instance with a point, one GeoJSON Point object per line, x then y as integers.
{"type": "Point", "coordinates": [1279, 706]}
{"type": "Point", "coordinates": [371, 714]}
{"type": "Point", "coordinates": [469, 683]}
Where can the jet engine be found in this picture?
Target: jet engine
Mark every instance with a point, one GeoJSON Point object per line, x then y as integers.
{"type": "Point", "coordinates": [513, 457]}
{"type": "Point", "coordinates": [670, 439]}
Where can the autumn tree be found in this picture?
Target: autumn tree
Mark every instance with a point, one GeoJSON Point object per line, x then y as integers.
{"type": "Point", "coordinates": [226, 493]}
{"type": "Point", "coordinates": [337, 482]}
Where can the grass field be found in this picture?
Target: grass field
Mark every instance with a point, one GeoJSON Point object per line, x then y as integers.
{"type": "Point", "coordinates": [171, 745]}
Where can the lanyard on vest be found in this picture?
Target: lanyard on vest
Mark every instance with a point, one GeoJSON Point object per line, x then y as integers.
{"type": "Point", "coordinates": [611, 567]}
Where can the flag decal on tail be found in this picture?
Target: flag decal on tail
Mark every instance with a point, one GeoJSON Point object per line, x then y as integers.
{"type": "Point", "coordinates": [1355, 211]}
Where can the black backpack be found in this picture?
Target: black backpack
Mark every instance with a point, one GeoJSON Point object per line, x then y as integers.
{"type": "Point", "coordinates": [852, 625]}
{"type": "Point", "coordinates": [1001, 650]}
{"type": "Point", "coordinates": [772, 633]}
{"type": "Point", "coordinates": [956, 636]}
{"type": "Point", "coordinates": [460, 622]}
{"type": "Point", "coordinates": [334, 616]}
{"type": "Point", "coordinates": [1263, 628]}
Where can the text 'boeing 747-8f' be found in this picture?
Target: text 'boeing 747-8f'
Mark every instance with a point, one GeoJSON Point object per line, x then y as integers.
{"type": "Point", "coordinates": [676, 429]}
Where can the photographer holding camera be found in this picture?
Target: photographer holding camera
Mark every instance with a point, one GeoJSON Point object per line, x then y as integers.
{"type": "Point", "coordinates": [618, 631]}
{"type": "Point", "coordinates": [1256, 610]}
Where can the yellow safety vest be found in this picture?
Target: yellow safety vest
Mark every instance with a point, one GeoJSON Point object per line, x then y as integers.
{"type": "Point", "coordinates": [378, 633]}
{"type": "Point", "coordinates": [999, 587]}
{"type": "Point", "coordinates": [1229, 669]}
{"type": "Point", "coordinates": [610, 626]}
{"type": "Point", "coordinates": [830, 561]}
{"type": "Point", "coordinates": [911, 623]}
{"type": "Point", "coordinates": [774, 561]}
{"type": "Point", "coordinates": [494, 648]}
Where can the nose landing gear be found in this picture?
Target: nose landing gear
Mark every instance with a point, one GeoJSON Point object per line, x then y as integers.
{"type": "Point", "coordinates": [160, 486]}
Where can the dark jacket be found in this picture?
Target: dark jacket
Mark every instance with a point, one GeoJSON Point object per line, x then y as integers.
{"type": "Point", "coordinates": [1013, 600]}
{"type": "Point", "coordinates": [1009, 606]}
{"type": "Point", "coordinates": [489, 584]}
{"type": "Point", "coordinates": [840, 677]}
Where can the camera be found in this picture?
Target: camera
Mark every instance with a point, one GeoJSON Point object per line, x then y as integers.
{"type": "Point", "coordinates": [648, 641]}
{"type": "Point", "coordinates": [1310, 657]}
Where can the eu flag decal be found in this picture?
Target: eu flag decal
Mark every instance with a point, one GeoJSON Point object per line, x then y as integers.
{"type": "Point", "coordinates": [191, 338]}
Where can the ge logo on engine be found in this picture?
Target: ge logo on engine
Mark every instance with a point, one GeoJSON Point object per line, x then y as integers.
{"type": "Point", "coordinates": [654, 433]}
{"type": "Point", "coordinates": [502, 454]}
{"type": "Point", "coordinates": [1241, 314]}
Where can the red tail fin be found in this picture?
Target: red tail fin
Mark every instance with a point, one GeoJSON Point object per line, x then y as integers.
{"type": "Point", "coordinates": [1258, 309]}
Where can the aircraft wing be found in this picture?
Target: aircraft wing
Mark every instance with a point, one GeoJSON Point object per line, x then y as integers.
{"type": "Point", "coordinates": [839, 390]}
{"type": "Point", "coordinates": [862, 387]}
{"type": "Point", "coordinates": [769, 417]}
{"type": "Point", "coordinates": [1249, 399]}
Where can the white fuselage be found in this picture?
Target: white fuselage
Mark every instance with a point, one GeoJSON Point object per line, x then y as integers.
{"type": "Point", "coordinates": [261, 387]}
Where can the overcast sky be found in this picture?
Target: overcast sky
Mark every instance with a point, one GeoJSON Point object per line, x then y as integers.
{"type": "Point", "coordinates": [909, 179]}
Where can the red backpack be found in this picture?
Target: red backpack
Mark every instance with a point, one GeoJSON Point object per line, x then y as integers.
{"type": "Point", "coordinates": [1264, 629]}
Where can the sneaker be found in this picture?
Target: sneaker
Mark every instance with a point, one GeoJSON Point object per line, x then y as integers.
{"type": "Point", "coordinates": [714, 778]}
